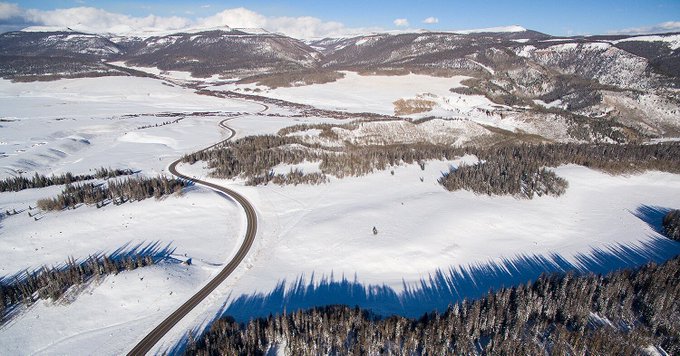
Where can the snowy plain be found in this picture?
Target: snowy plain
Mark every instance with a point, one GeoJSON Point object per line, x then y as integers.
{"type": "Point", "coordinates": [359, 93]}
{"type": "Point", "coordinates": [304, 232]}
{"type": "Point", "coordinates": [311, 234]}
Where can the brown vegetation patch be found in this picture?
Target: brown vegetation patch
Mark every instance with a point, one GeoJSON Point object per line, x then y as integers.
{"type": "Point", "coordinates": [412, 106]}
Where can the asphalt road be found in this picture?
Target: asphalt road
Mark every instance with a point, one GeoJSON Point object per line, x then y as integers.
{"type": "Point", "coordinates": [145, 345]}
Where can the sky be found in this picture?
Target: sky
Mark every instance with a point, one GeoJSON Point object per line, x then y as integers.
{"type": "Point", "coordinates": [321, 18]}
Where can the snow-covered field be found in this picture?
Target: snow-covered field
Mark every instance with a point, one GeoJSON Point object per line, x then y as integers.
{"type": "Point", "coordinates": [78, 124]}
{"type": "Point", "coordinates": [114, 313]}
{"type": "Point", "coordinates": [378, 93]}
{"type": "Point", "coordinates": [321, 232]}
{"type": "Point", "coordinates": [81, 124]}
{"type": "Point", "coordinates": [304, 231]}
{"type": "Point", "coordinates": [359, 93]}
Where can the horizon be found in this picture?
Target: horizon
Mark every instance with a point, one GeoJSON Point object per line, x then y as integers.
{"type": "Point", "coordinates": [311, 19]}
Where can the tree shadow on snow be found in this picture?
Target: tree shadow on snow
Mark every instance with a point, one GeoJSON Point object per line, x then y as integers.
{"type": "Point", "coordinates": [443, 287]}
{"type": "Point", "coordinates": [653, 216]}
{"type": "Point", "coordinates": [155, 250]}
{"type": "Point", "coordinates": [447, 286]}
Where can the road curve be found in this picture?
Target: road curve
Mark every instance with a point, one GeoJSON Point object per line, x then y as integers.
{"type": "Point", "coordinates": [145, 345]}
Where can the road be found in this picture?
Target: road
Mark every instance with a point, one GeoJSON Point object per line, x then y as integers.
{"type": "Point", "coordinates": [145, 345]}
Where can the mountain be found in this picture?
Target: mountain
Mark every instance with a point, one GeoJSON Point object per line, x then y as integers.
{"type": "Point", "coordinates": [234, 53]}
{"type": "Point", "coordinates": [613, 87]}
{"type": "Point", "coordinates": [55, 54]}
{"type": "Point", "coordinates": [438, 50]}
{"type": "Point", "coordinates": [231, 52]}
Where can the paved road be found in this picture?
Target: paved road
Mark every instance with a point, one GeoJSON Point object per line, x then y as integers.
{"type": "Point", "coordinates": [157, 333]}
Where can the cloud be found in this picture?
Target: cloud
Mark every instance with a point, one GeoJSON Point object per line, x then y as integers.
{"type": "Point", "coordinates": [94, 20]}
{"type": "Point", "coordinates": [8, 11]}
{"type": "Point", "coordinates": [91, 19]}
{"type": "Point", "coordinates": [299, 27]}
{"type": "Point", "coordinates": [431, 20]}
{"type": "Point", "coordinates": [670, 26]}
{"type": "Point", "coordinates": [238, 17]}
{"type": "Point", "coordinates": [401, 22]}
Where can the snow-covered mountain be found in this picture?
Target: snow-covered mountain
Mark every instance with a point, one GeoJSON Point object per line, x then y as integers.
{"type": "Point", "coordinates": [56, 43]}
{"type": "Point", "coordinates": [632, 80]}
{"type": "Point", "coordinates": [234, 53]}
{"type": "Point", "coordinates": [626, 61]}
{"type": "Point", "coordinates": [237, 52]}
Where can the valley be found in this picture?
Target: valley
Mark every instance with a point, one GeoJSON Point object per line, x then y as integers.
{"type": "Point", "coordinates": [339, 150]}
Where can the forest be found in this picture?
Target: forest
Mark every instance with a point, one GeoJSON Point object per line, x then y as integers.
{"type": "Point", "coordinates": [15, 184]}
{"type": "Point", "coordinates": [671, 224]}
{"type": "Point", "coordinates": [117, 191]}
{"type": "Point", "coordinates": [622, 313]}
{"type": "Point", "coordinates": [520, 170]}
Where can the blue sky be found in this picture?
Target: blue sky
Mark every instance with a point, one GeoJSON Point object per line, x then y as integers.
{"type": "Point", "coordinates": [554, 17]}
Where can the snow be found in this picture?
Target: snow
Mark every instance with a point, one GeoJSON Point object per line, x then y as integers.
{"type": "Point", "coordinates": [423, 228]}
{"type": "Point", "coordinates": [322, 231]}
{"type": "Point", "coordinates": [69, 125]}
{"type": "Point", "coordinates": [126, 304]}
{"type": "Point", "coordinates": [501, 29]}
{"type": "Point", "coordinates": [487, 68]}
{"type": "Point", "coordinates": [601, 46]}
{"type": "Point", "coordinates": [561, 47]}
{"type": "Point", "coordinates": [127, 31]}
{"type": "Point", "coordinates": [652, 350]}
{"type": "Point", "coordinates": [553, 104]}
{"type": "Point", "coordinates": [77, 125]}
{"type": "Point", "coordinates": [673, 41]}
{"type": "Point", "coordinates": [525, 51]}
{"type": "Point", "coordinates": [47, 29]}
{"type": "Point", "coordinates": [357, 93]}
{"type": "Point", "coordinates": [306, 167]}
{"type": "Point", "coordinates": [181, 76]}
{"type": "Point", "coordinates": [437, 131]}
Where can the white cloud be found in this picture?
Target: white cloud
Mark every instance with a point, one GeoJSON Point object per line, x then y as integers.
{"type": "Point", "coordinates": [307, 27]}
{"type": "Point", "coordinates": [670, 26]}
{"type": "Point", "coordinates": [89, 19]}
{"type": "Point", "coordinates": [431, 20]}
{"type": "Point", "coordinates": [238, 17]}
{"type": "Point", "coordinates": [401, 22]}
{"type": "Point", "coordinates": [7, 10]}
{"type": "Point", "coordinates": [299, 27]}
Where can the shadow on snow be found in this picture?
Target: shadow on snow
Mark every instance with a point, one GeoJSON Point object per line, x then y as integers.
{"type": "Point", "coordinates": [653, 216]}
{"type": "Point", "coordinates": [444, 287]}
{"type": "Point", "coordinates": [153, 249]}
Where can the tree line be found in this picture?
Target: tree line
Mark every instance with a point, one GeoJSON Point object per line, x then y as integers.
{"type": "Point", "coordinates": [254, 157]}
{"type": "Point", "coordinates": [621, 313]}
{"type": "Point", "coordinates": [52, 282]}
{"type": "Point", "coordinates": [520, 179]}
{"type": "Point", "coordinates": [15, 184]}
{"type": "Point", "coordinates": [294, 176]}
{"type": "Point", "coordinates": [161, 124]}
{"type": "Point", "coordinates": [117, 191]}
{"type": "Point", "coordinates": [671, 224]}
{"type": "Point", "coordinates": [518, 170]}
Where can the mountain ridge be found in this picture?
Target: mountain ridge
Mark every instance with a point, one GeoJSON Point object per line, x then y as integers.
{"type": "Point", "coordinates": [600, 86]}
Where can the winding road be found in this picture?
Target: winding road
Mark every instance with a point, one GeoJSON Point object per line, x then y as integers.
{"type": "Point", "coordinates": [145, 345]}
